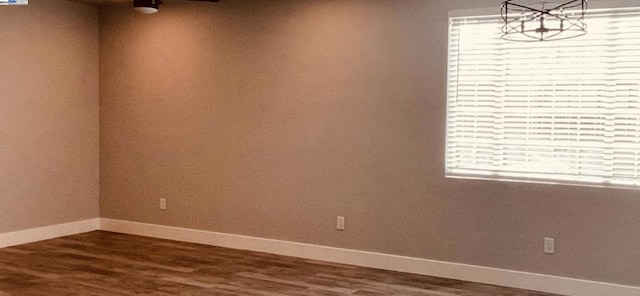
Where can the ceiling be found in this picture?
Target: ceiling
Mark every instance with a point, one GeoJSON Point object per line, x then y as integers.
{"type": "Point", "coordinates": [105, 2]}
{"type": "Point", "coordinates": [102, 1]}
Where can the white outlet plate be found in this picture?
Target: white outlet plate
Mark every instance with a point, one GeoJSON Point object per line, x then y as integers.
{"type": "Point", "coordinates": [163, 203]}
{"type": "Point", "coordinates": [340, 223]}
{"type": "Point", "coordinates": [549, 245]}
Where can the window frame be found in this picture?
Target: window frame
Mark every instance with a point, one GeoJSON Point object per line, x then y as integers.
{"type": "Point", "coordinates": [546, 178]}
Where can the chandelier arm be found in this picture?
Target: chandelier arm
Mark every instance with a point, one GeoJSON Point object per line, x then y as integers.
{"type": "Point", "coordinates": [507, 3]}
{"type": "Point", "coordinates": [569, 5]}
{"type": "Point", "coordinates": [527, 18]}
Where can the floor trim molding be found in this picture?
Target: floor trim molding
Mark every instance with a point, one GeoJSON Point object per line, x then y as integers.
{"type": "Point", "coordinates": [47, 232]}
{"type": "Point", "coordinates": [473, 273]}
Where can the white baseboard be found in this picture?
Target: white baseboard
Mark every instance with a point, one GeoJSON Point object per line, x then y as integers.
{"type": "Point", "coordinates": [47, 232]}
{"type": "Point", "coordinates": [480, 274]}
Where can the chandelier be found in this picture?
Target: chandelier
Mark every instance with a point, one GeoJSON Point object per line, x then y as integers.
{"type": "Point", "coordinates": [543, 21]}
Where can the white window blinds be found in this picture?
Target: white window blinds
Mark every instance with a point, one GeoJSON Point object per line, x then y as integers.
{"type": "Point", "coordinates": [560, 111]}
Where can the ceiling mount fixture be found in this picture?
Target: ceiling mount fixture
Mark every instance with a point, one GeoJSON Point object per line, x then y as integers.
{"type": "Point", "coordinates": [543, 21]}
{"type": "Point", "coordinates": [146, 6]}
{"type": "Point", "coordinates": [151, 6]}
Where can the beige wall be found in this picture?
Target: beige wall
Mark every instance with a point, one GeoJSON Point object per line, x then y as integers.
{"type": "Point", "coordinates": [270, 118]}
{"type": "Point", "coordinates": [48, 114]}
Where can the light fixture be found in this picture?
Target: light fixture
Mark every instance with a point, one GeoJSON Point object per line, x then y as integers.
{"type": "Point", "coordinates": [146, 6]}
{"type": "Point", "coordinates": [543, 21]}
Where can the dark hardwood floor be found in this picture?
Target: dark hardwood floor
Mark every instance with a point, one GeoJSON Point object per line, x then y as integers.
{"type": "Point", "coordinates": [103, 263]}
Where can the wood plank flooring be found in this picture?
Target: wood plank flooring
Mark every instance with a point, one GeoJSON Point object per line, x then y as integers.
{"type": "Point", "coordinates": [103, 263]}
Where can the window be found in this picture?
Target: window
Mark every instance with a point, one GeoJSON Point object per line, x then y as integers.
{"type": "Point", "coordinates": [558, 111]}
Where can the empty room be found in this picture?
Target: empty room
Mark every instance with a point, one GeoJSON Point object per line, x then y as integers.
{"type": "Point", "coordinates": [320, 147]}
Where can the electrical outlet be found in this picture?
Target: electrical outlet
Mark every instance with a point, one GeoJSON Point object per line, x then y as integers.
{"type": "Point", "coordinates": [340, 223]}
{"type": "Point", "coordinates": [163, 203]}
{"type": "Point", "coordinates": [549, 245]}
